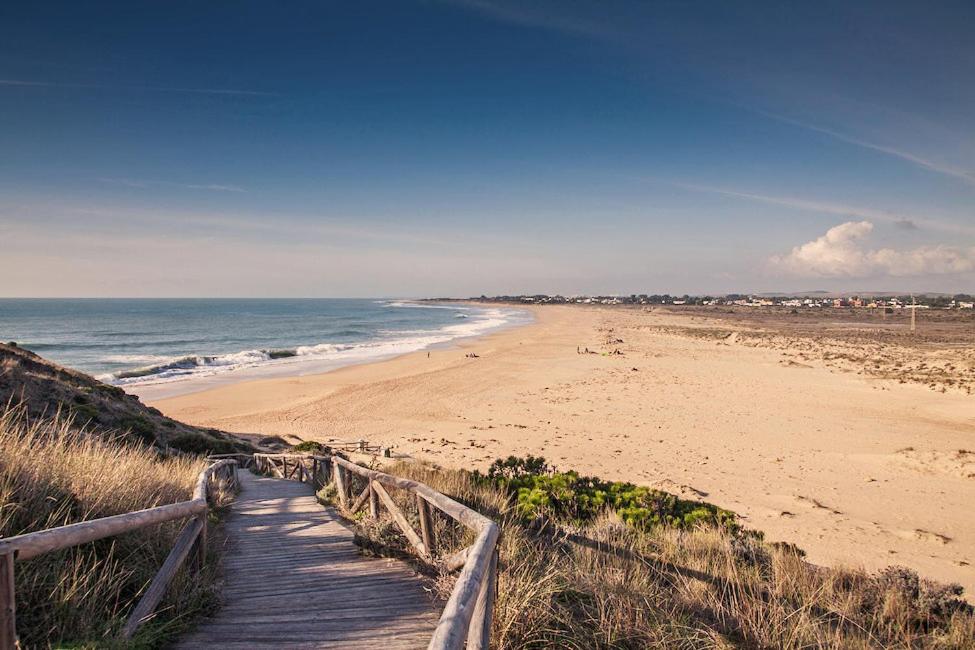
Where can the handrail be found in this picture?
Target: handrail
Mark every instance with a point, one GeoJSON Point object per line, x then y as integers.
{"type": "Point", "coordinates": [30, 545]}
{"type": "Point", "coordinates": [468, 613]}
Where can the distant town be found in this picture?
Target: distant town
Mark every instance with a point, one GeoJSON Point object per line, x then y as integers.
{"type": "Point", "coordinates": [922, 301]}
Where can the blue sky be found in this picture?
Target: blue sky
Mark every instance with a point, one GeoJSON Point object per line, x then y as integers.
{"type": "Point", "coordinates": [460, 147]}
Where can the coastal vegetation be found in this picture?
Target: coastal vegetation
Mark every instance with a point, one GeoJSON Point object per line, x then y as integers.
{"type": "Point", "coordinates": [44, 390]}
{"type": "Point", "coordinates": [586, 563]}
{"type": "Point", "coordinates": [54, 472]}
{"type": "Point", "coordinates": [539, 491]}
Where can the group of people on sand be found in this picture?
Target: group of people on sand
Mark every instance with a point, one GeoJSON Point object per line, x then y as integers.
{"type": "Point", "coordinates": [617, 351]}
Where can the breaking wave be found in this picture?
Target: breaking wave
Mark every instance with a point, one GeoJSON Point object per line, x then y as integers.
{"type": "Point", "coordinates": [385, 344]}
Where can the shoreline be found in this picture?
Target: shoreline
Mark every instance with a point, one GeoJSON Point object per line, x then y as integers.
{"type": "Point", "coordinates": [295, 366]}
{"type": "Point", "coordinates": [854, 470]}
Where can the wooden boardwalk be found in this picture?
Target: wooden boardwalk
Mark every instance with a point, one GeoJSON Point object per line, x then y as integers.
{"type": "Point", "coordinates": [295, 579]}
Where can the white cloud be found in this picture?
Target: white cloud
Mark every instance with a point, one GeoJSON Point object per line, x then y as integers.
{"type": "Point", "coordinates": [841, 252]}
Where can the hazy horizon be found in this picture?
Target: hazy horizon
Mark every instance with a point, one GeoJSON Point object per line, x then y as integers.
{"type": "Point", "coordinates": [468, 147]}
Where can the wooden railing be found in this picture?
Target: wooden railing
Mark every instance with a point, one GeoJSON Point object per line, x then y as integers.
{"type": "Point", "coordinates": [468, 612]}
{"type": "Point", "coordinates": [29, 545]}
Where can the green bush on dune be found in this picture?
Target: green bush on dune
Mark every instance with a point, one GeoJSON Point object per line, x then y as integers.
{"type": "Point", "coordinates": [540, 490]}
{"type": "Point", "coordinates": [312, 447]}
{"type": "Point", "coordinates": [679, 575]}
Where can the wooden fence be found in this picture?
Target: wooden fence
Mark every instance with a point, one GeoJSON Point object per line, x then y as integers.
{"type": "Point", "coordinates": [192, 538]}
{"type": "Point", "coordinates": [468, 612]}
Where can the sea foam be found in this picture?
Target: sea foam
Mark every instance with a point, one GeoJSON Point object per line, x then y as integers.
{"type": "Point", "coordinates": [473, 322]}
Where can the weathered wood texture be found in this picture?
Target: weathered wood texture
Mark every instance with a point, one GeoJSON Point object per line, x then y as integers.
{"type": "Point", "coordinates": [294, 578]}
{"type": "Point", "coordinates": [30, 545]}
{"type": "Point", "coordinates": [157, 589]}
{"type": "Point", "coordinates": [466, 618]}
{"type": "Point", "coordinates": [8, 622]}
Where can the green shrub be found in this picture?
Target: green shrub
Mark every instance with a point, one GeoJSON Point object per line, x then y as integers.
{"type": "Point", "coordinates": [540, 490]}
{"type": "Point", "coordinates": [311, 447]}
{"type": "Point", "coordinates": [83, 412]}
{"type": "Point", "coordinates": [328, 495]}
{"type": "Point", "coordinates": [198, 444]}
{"type": "Point", "coordinates": [140, 427]}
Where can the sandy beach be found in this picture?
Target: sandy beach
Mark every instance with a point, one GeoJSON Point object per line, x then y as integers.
{"type": "Point", "coordinates": [853, 468]}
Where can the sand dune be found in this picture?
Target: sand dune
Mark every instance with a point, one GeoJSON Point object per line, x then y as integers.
{"type": "Point", "coordinates": [855, 469]}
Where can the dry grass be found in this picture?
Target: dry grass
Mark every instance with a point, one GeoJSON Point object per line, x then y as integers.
{"type": "Point", "coordinates": [608, 585]}
{"type": "Point", "coordinates": [52, 474]}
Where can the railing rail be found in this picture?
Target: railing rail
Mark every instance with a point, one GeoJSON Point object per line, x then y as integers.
{"type": "Point", "coordinates": [192, 537]}
{"type": "Point", "coordinates": [467, 616]}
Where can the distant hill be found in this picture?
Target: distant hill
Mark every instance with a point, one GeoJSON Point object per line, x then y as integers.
{"type": "Point", "coordinates": [44, 389]}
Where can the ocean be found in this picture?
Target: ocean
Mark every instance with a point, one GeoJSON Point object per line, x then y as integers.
{"type": "Point", "coordinates": [187, 344]}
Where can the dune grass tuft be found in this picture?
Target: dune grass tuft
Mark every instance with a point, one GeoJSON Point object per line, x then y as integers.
{"type": "Point", "coordinates": [53, 474]}
{"type": "Point", "coordinates": [604, 582]}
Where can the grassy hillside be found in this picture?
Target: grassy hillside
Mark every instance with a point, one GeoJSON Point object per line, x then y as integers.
{"type": "Point", "coordinates": [45, 389]}
{"type": "Point", "coordinates": [586, 563]}
{"type": "Point", "coordinates": [52, 474]}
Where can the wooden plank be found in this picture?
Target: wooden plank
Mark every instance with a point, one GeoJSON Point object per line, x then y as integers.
{"type": "Point", "coordinates": [344, 599]}
{"type": "Point", "coordinates": [157, 588]}
{"type": "Point", "coordinates": [454, 623]}
{"type": "Point", "coordinates": [479, 632]}
{"type": "Point", "coordinates": [401, 520]}
{"type": "Point", "coordinates": [457, 560]}
{"type": "Point", "coordinates": [44, 541]}
{"type": "Point", "coordinates": [340, 484]}
{"type": "Point", "coordinates": [373, 502]}
{"type": "Point", "coordinates": [33, 544]}
{"type": "Point", "coordinates": [361, 500]}
{"type": "Point", "coordinates": [426, 523]}
{"type": "Point", "coordinates": [455, 510]}
{"type": "Point", "coordinates": [8, 604]}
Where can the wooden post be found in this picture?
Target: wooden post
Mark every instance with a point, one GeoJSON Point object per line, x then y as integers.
{"type": "Point", "coordinates": [426, 523]}
{"type": "Point", "coordinates": [373, 502]}
{"type": "Point", "coordinates": [337, 472]}
{"type": "Point", "coordinates": [400, 519]}
{"type": "Point", "coordinates": [157, 588]}
{"type": "Point", "coordinates": [8, 608]}
{"type": "Point", "coordinates": [362, 446]}
{"type": "Point", "coordinates": [200, 559]}
{"type": "Point", "coordinates": [479, 632]}
{"type": "Point", "coordinates": [361, 499]}
{"type": "Point", "coordinates": [284, 463]}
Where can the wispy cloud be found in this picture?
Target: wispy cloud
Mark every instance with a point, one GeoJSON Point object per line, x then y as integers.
{"type": "Point", "coordinates": [907, 221]}
{"type": "Point", "coordinates": [160, 89]}
{"type": "Point", "coordinates": [919, 161]}
{"type": "Point", "coordinates": [210, 187]}
{"type": "Point", "coordinates": [289, 229]}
